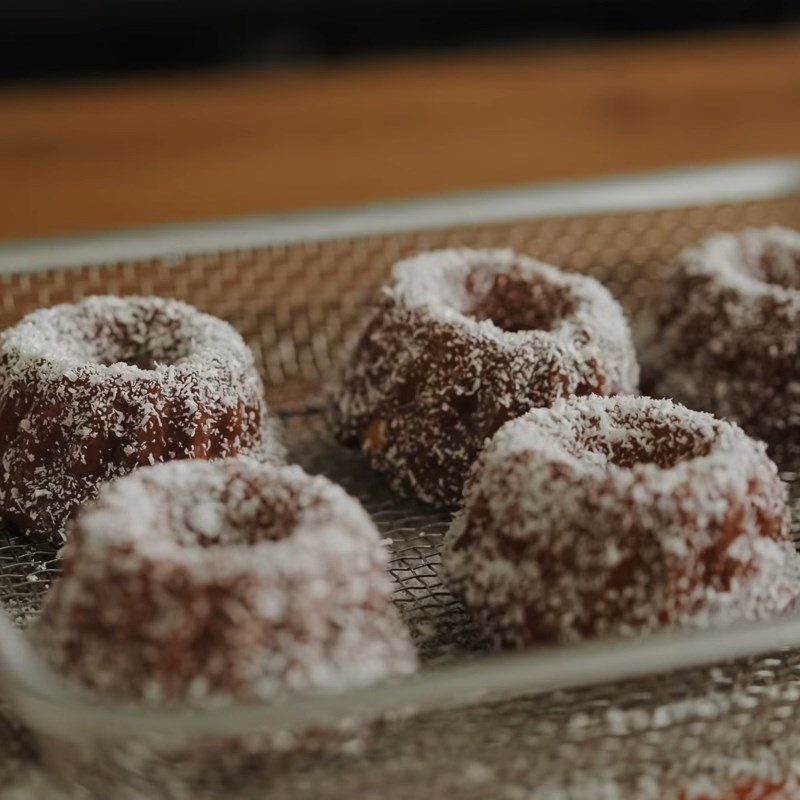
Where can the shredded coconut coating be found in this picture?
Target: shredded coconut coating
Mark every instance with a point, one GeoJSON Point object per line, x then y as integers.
{"type": "Point", "coordinates": [727, 334]}
{"type": "Point", "coordinates": [613, 516]}
{"type": "Point", "coordinates": [91, 391]}
{"type": "Point", "coordinates": [462, 341]}
{"type": "Point", "coordinates": [201, 582]}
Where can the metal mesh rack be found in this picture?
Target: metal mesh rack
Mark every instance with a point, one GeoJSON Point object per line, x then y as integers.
{"type": "Point", "coordinates": [298, 305]}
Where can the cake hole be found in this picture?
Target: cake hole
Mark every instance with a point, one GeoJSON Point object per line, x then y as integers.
{"type": "Point", "coordinates": [515, 303]}
{"type": "Point", "coordinates": [136, 335]}
{"type": "Point", "coordinates": [241, 516]}
{"type": "Point", "coordinates": [653, 443]}
{"type": "Point", "coordinates": [778, 265]}
{"type": "Point", "coordinates": [142, 361]}
{"type": "Point", "coordinates": [133, 354]}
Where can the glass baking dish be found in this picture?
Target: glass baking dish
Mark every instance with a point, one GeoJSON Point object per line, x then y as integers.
{"type": "Point", "coordinates": [680, 706]}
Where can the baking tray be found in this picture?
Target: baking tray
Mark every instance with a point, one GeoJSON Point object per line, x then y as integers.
{"type": "Point", "coordinates": [296, 287]}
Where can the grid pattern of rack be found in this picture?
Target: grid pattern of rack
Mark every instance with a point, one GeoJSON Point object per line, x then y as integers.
{"type": "Point", "coordinates": [298, 307]}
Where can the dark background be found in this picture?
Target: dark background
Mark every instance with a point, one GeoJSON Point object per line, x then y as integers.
{"type": "Point", "coordinates": [68, 40]}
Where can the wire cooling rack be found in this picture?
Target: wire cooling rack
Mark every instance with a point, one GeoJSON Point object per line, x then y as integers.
{"type": "Point", "coordinates": [299, 305]}
{"type": "Point", "coordinates": [441, 627]}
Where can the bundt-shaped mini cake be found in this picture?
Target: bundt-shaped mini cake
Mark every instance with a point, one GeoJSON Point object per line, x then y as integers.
{"type": "Point", "coordinates": [204, 582]}
{"type": "Point", "coordinates": [93, 390]}
{"type": "Point", "coordinates": [461, 342]}
{"type": "Point", "coordinates": [726, 337]}
{"type": "Point", "coordinates": [603, 516]}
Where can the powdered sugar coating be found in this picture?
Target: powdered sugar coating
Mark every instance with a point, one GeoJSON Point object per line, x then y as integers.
{"type": "Point", "coordinates": [201, 582]}
{"type": "Point", "coordinates": [462, 341]}
{"type": "Point", "coordinates": [727, 334]}
{"type": "Point", "coordinates": [619, 515]}
{"type": "Point", "coordinates": [93, 390]}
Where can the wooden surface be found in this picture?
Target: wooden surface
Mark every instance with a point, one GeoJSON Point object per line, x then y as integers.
{"type": "Point", "coordinates": [140, 152]}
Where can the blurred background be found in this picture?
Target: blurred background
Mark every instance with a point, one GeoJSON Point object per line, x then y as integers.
{"type": "Point", "coordinates": [142, 111]}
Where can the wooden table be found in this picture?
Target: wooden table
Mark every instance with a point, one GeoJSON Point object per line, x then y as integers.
{"type": "Point", "coordinates": [146, 151]}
